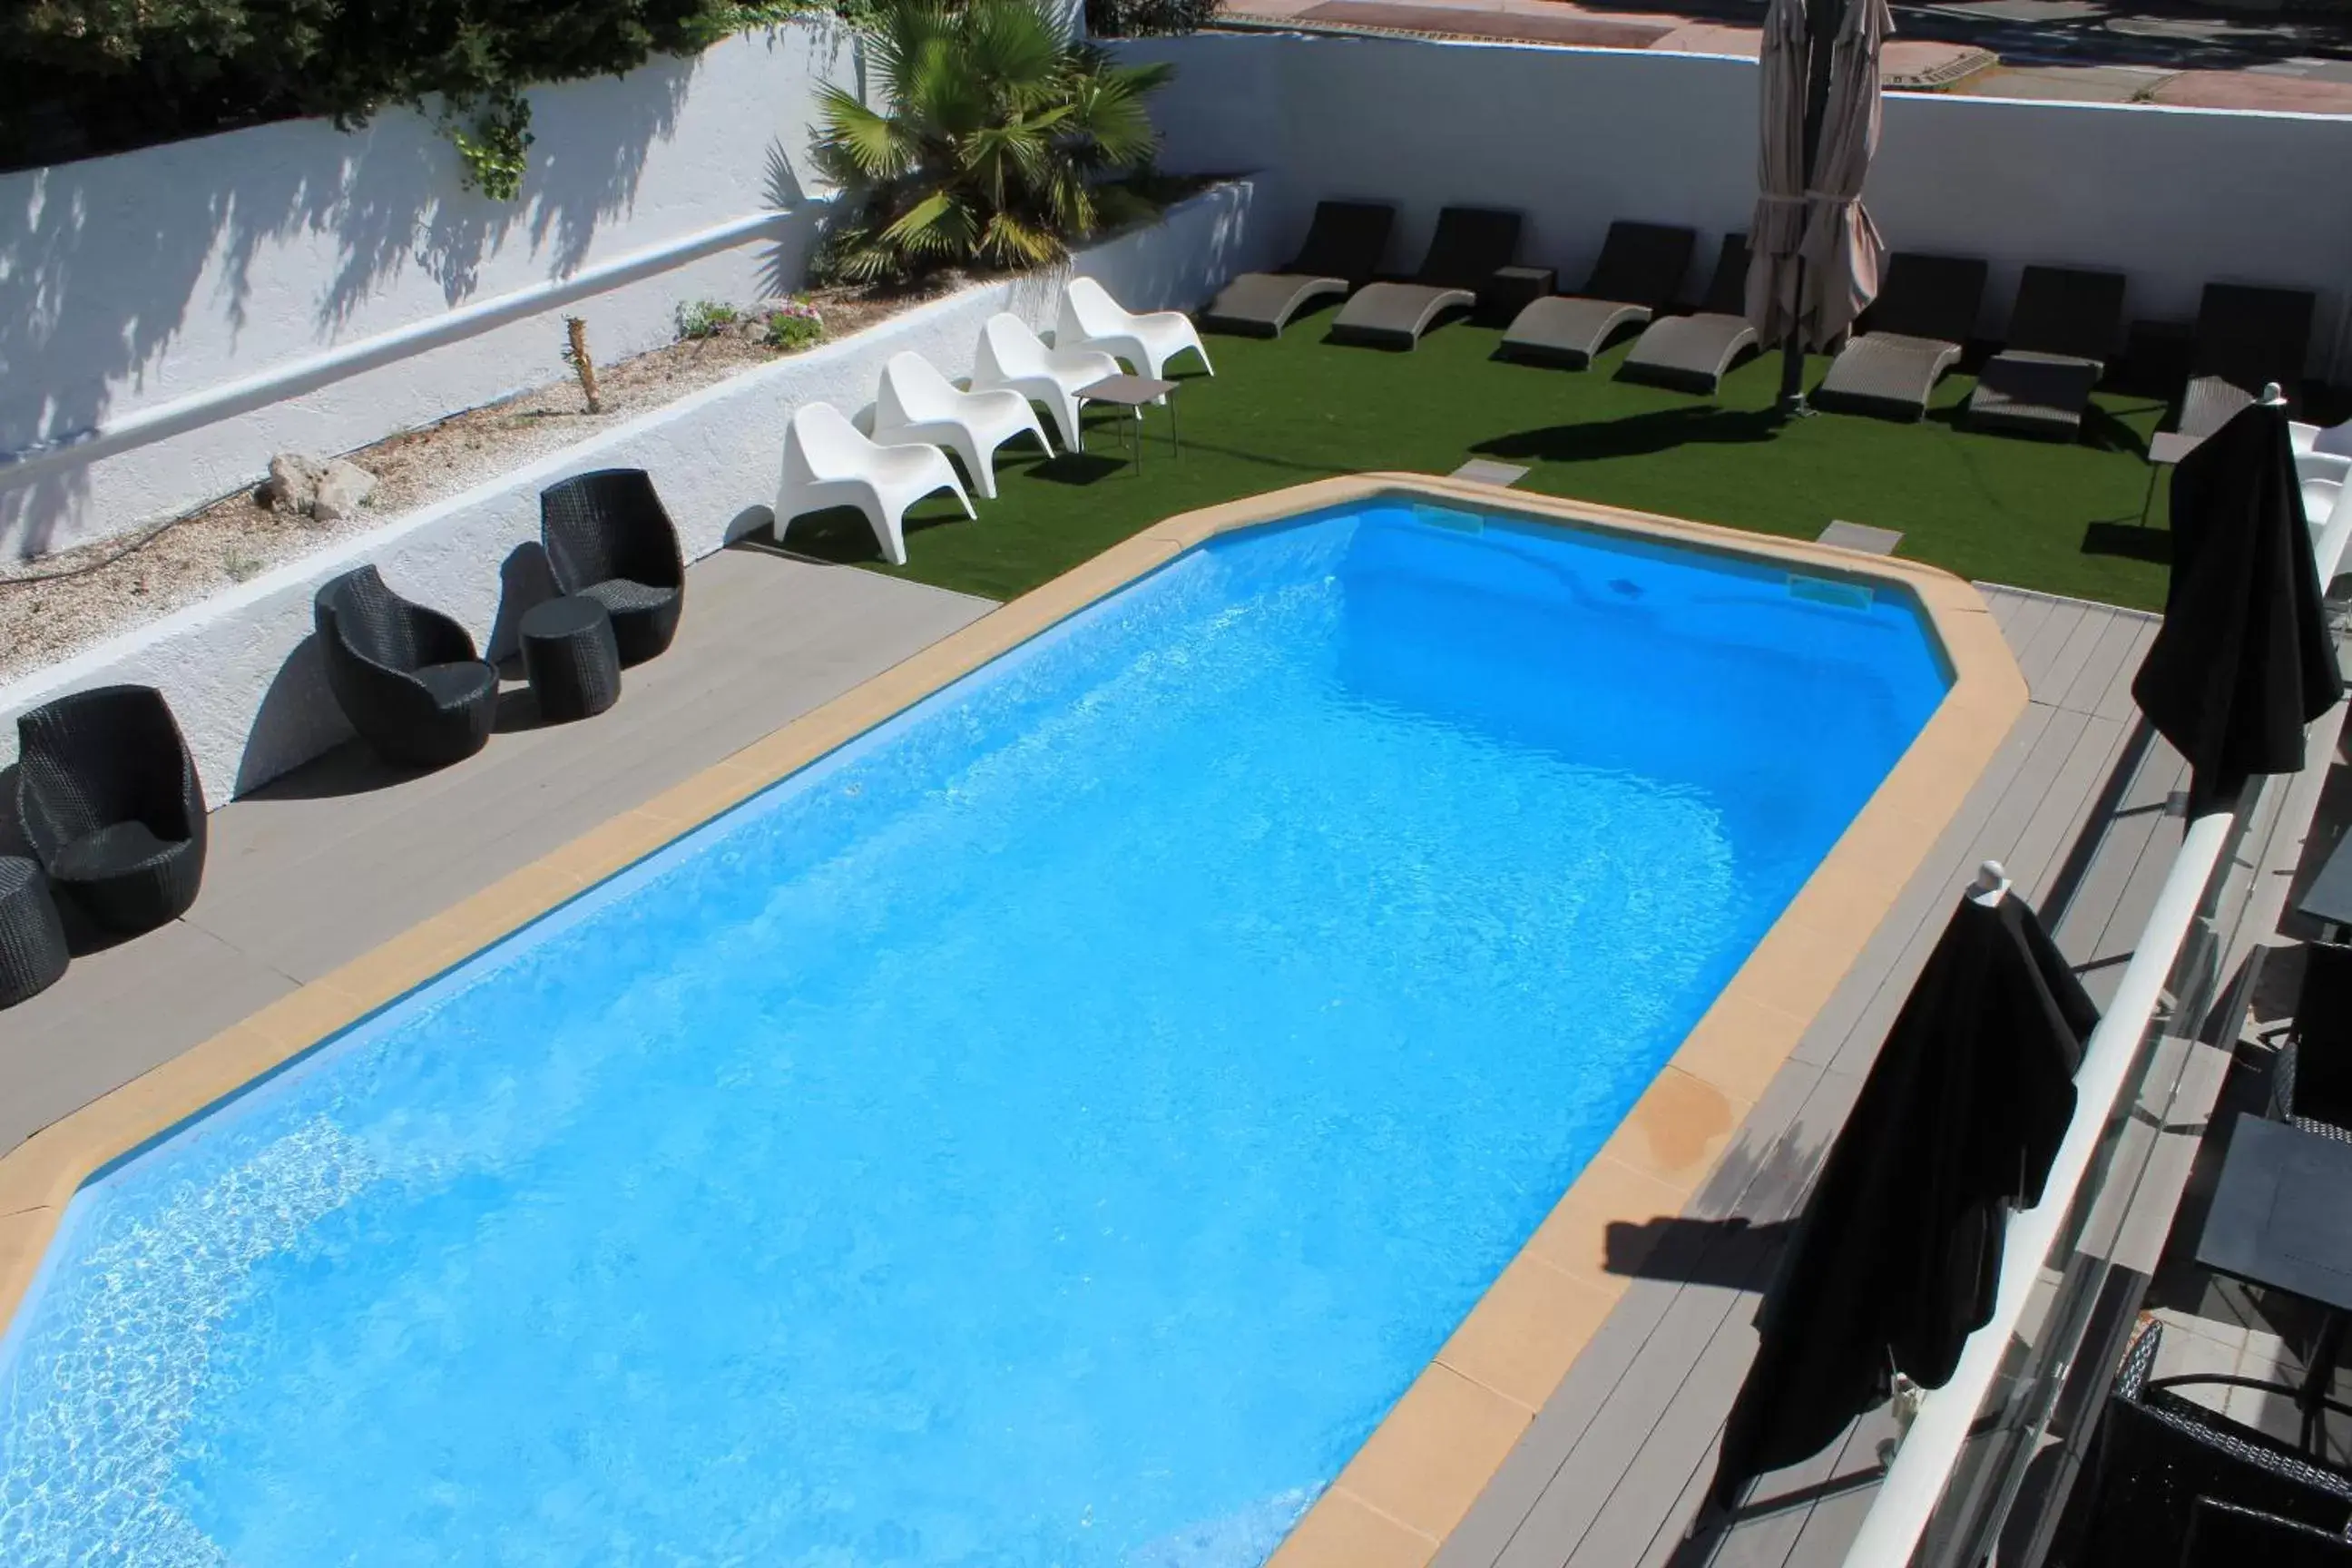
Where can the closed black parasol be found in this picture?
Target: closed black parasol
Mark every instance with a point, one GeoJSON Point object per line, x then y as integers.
{"type": "Point", "coordinates": [2243, 660]}
{"type": "Point", "coordinates": [1895, 1260]}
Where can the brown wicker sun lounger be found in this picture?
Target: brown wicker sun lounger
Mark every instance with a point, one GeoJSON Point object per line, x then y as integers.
{"type": "Point", "coordinates": [2246, 338]}
{"type": "Point", "coordinates": [1341, 252]}
{"type": "Point", "coordinates": [1693, 351]}
{"type": "Point", "coordinates": [1470, 245]}
{"type": "Point", "coordinates": [1639, 273]}
{"type": "Point", "coordinates": [1918, 326]}
{"type": "Point", "coordinates": [2060, 334]}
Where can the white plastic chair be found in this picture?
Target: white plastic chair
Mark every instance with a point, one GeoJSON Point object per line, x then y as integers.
{"type": "Point", "coordinates": [827, 463]}
{"type": "Point", "coordinates": [918, 403]}
{"type": "Point", "coordinates": [2322, 452]}
{"type": "Point", "coordinates": [1091, 319]}
{"type": "Point", "coordinates": [1014, 357]}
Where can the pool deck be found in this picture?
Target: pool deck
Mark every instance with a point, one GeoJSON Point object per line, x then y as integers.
{"type": "Point", "coordinates": [1611, 1471]}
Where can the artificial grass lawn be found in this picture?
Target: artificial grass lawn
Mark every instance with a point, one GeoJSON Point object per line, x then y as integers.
{"type": "Point", "coordinates": [2034, 514]}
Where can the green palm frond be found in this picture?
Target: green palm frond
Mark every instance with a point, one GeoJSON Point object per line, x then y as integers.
{"type": "Point", "coordinates": [984, 142]}
{"type": "Point", "coordinates": [879, 146]}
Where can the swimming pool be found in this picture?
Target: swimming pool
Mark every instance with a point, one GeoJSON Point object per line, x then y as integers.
{"type": "Point", "coordinates": [1053, 1128]}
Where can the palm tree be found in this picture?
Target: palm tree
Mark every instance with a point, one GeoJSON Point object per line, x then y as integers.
{"type": "Point", "coordinates": [996, 140]}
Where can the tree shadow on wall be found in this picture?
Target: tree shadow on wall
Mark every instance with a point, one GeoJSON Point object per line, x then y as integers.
{"type": "Point", "coordinates": [104, 263]}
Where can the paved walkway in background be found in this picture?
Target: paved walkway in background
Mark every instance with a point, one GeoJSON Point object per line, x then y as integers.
{"type": "Point", "coordinates": [2090, 51]}
{"type": "Point", "coordinates": [341, 855]}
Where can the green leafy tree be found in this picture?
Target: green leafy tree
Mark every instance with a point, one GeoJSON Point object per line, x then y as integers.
{"type": "Point", "coordinates": [80, 77]}
{"type": "Point", "coordinates": [995, 142]}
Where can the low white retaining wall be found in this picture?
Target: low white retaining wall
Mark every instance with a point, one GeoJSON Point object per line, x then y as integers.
{"type": "Point", "coordinates": [2171, 197]}
{"type": "Point", "coordinates": [240, 671]}
{"type": "Point", "coordinates": [132, 281]}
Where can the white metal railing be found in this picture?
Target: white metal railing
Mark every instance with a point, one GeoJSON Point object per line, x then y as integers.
{"type": "Point", "coordinates": [243, 396]}
{"type": "Point", "coordinates": [1923, 1467]}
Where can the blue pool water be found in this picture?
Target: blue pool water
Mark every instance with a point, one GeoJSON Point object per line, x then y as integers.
{"type": "Point", "coordinates": [1051, 1132]}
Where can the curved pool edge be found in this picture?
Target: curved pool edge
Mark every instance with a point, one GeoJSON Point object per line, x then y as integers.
{"type": "Point", "coordinates": [1420, 1471]}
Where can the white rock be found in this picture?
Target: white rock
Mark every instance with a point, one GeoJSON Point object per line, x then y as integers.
{"type": "Point", "coordinates": [293, 482]}
{"type": "Point", "coordinates": [340, 491]}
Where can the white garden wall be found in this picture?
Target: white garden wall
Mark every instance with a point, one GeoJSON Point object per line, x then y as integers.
{"type": "Point", "coordinates": [246, 684]}
{"type": "Point", "coordinates": [131, 281]}
{"type": "Point", "coordinates": [1574, 138]}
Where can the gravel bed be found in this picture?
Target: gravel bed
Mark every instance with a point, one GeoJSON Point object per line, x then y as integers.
{"type": "Point", "coordinates": [54, 606]}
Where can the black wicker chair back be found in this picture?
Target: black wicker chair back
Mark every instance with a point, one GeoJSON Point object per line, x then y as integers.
{"type": "Point", "coordinates": [609, 538]}
{"type": "Point", "coordinates": [107, 797]}
{"type": "Point", "coordinates": [1345, 240]}
{"type": "Point", "coordinates": [406, 676]}
{"type": "Point", "coordinates": [1642, 264]}
{"type": "Point", "coordinates": [2068, 310]}
{"type": "Point", "coordinates": [1726, 291]}
{"type": "Point", "coordinates": [2157, 1452]}
{"type": "Point", "coordinates": [1930, 296]}
{"type": "Point", "coordinates": [2249, 336]}
{"type": "Point", "coordinates": [2225, 1535]}
{"type": "Point", "coordinates": [1471, 244]}
{"type": "Point", "coordinates": [2311, 1084]}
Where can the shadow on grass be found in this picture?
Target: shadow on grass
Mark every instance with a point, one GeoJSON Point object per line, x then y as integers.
{"type": "Point", "coordinates": [2100, 430]}
{"type": "Point", "coordinates": [1639, 436]}
{"type": "Point", "coordinates": [2131, 541]}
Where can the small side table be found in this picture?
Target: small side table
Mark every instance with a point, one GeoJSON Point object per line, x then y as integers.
{"type": "Point", "coordinates": [571, 658]}
{"type": "Point", "coordinates": [32, 937]}
{"type": "Point", "coordinates": [1512, 289]}
{"type": "Point", "coordinates": [1134, 391]}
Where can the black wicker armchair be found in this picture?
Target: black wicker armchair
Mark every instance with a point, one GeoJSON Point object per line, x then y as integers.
{"type": "Point", "coordinates": [2310, 1082]}
{"type": "Point", "coordinates": [2157, 1452]}
{"type": "Point", "coordinates": [609, 539]}
{"type": "Point", "coordinates": [108, 799]}
{"type": "Point", "coordinates": [406, 676]}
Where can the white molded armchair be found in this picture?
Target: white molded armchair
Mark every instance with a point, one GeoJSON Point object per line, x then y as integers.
{"type": "Point", "coordinates": [1014, 357]}
{"type": "Point", "coordinates": [1091, 319]}
{"type": "Point", "coordinates": [828, 463]}
{"type": "Point", "coordinates": [918, 403]}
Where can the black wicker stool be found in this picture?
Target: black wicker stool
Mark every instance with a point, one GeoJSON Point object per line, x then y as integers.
{"type": "Point", "coordinates": [569, 654]}
{"type": "Point", "coordinates": [32, 937]}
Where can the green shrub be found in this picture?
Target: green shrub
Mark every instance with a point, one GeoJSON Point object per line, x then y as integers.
{"type": "Point", "coordinates": [84, 77]}
{"type": "Point", "coordinates": [705, 318]}
{"type": "Point", "coordinates": [992, 147]}
{"type": "Point", "coordinates": [795, 326]}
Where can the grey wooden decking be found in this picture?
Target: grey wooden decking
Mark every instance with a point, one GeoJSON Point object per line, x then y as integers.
{"type": "Point", "coordinates": [1612, 1469]}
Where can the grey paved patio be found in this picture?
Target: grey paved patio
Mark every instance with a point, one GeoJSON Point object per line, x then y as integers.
{"type": "Point", "coordinates": [338, 857]}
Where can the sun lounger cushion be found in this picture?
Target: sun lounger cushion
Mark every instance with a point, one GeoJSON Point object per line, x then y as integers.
{"type": "Point", "coordinates": [2033, 394]}
{"type": "Point", "coordinates": [2060, 334]}
{"type": "Point", "coordinates": [1695, 352]}
{"type": "Point", "coordinates": [1470, 245]}
{"type": "Point", "coordinates": [1260, 304]}
{"type": "Point", "coordinates": [1341, 252]}
{"type": "Point", "coordinates": [1639, 272]}
{"type": "Point", "coordinates": [1887, 372]}
{"type": "Point", "coordinates": [1918, 327]}
{"type": "Point", "coordinates": [1568, 330]}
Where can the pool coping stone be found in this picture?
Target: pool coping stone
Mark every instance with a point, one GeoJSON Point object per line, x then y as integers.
{"type": "Point", "coordinates": [1422, 1468]}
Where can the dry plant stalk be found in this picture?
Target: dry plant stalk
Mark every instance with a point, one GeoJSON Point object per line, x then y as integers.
{"type": "Point", "coordinates": [582, 365]}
